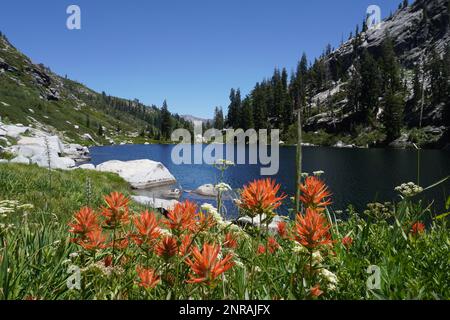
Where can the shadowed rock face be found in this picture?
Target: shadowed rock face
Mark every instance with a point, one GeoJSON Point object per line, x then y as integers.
{"type": "Point", "coordinates": [414, 38]}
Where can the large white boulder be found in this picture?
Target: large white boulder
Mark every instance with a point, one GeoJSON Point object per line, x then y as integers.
{"type": "Point", "coordinates": [50, 144]}
{"type": "Point", "coordinates": [76, 152]}
{"type": "Point", "coordinates": [55, 162]}
{"type": "Point", "coordinates": [20, 159]}
{"type": "Point", "coordinates": [140, 174]}
{"type": "Point", "coordinates": [155, 203]}
{"type": "Point", "coordinates": [14, 131]}
{"type": "Point", "coordinates": [206, 190]}
{"type": "Point", "coordinates": [87, 166]}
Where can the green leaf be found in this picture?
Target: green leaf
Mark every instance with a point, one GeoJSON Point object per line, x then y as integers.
{"type": "Point", "coordinates": [442, 216]}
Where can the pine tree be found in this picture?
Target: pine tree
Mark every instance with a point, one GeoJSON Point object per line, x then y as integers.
{"type": "Point", "coordinates": [393, 100]}
{"type": "Point", "coordinates": [166, 122]}
{"type": "Point", "coordinates": [393, 115]}
{"type": "Point", "coordinates": [405, 4]}
{"type": "Point", "coordinates": [438, 84]}
{"type": "Point", "coordinates": [234, 109]}
{"type": "Point", "coordinates": [100, 130]}
{"type": "Point", "coordinates": [370, 85]}
{"type": "Point", "coordinates": [218, 118]}
{"type": "Point", "coordinates": [417, 87]}
{"type": "Point", "coordinates": [247, 114]}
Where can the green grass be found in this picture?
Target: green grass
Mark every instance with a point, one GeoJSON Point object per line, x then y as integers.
{"type": "Point", "coordinates": [57, 191]}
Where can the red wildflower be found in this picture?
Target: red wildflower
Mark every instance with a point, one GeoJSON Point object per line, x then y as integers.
{"type": "Point", "coordinates": [315, 291]}
{"type": "Point", "coordinates": [94, 240]}
{"type": "Point", "coordinates": [230, 241]}
{"type": "Point", "coordinates": [347, 242]}
{"type": "Point", "coordinates": [206, 265]}
{"type": "Point", "coordinates": [116, 211]}
{"type": "Point", "coordinates": [417, 228]}
{"type": "Point", "coordinates": [167, 247]}
{"type": "Point", "coordinates": [147, 227]}
{"type": "Point", "coordinates": [314, 193]}
{"type": "Point", "coordinates": [204, 221]}
{"type": "Point", "coordinates": [107, 261]}
{"type": "Point", "coordinates": [282, 230]}
{"type": "Point", "coordinates": [182, 216]}
{"type": "Point", "coordinates": [260, 196]}
{"type": "Point", "coordinates": [147, 277]}
{"type": "Point", "coordinates": [272, 245]}
{"type": "Point", "coordinates": [261, 249]}
{"type": "Point", "coordinates": [85, 222]}
{"type": "Point", "coordinates": [312, 230]}
{"type": "Point", "coordinates": [185, 246]}
{"type": "Point", "coordinates": [119, 243]}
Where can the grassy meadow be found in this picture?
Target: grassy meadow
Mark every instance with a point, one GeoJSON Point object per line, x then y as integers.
{"type": "Point", "coordinates": [75, 235]}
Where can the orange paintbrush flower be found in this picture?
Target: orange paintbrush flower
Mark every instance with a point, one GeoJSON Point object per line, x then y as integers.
{"type": "Point", "coordinates": [182, 217]}
{"type": "Point", "coordinates": [347, 242]}
{"type": "Point", "coordinates": [260, 196]}
{"type": "Point", "coordinates": [85, 222]}
{"type": "Point", "coordinates": [272, 245]}
{"type": "Point", "coordinates": [167, 247]}
{"type": "Point", "coordinates": [312, 230]}
{"type": "Point", "coordinates": [282, 229]}
{"type": "Point", "coordinates": [147, 277]}
{"type": "Point", "coordinates": [185, 246]}
{"type": "Point", "coordinates": [116, 210]}
{"type": "Point", "coordinates": [147, 227]}
{"type": "Point", "coordinates": [206, 266]}
{"type": "Point", "coordinates": [230, 241]}
{"type": "Point", "coordinates": [314, 193]}
{"type": "Point", "coordinates": [315, 291]}
{"type": "Point", "coordinates": [261, 249]}
{"type": "Point", "coordinates": [417, 228]}
{"type": "Point", "coordinates": [94, 240]}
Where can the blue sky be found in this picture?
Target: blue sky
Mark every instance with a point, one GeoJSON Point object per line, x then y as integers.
{"type": "Point", "coordinates": [190, 52]}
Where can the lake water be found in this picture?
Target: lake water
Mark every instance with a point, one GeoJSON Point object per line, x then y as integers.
{"type": "Point", "coordinates": [355, 176]}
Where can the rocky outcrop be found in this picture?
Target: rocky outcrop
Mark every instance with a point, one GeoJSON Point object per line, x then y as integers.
{"type": "Point", "coordinates": [416, 31]}
{"type": "Point", "coordinates": [206, 190]}
{"type": "Point", "coordinates": [35, 146]}
{"type": "Point", "coordinates": [140, 174]}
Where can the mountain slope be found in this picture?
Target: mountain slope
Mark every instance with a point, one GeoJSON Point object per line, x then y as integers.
{"type": "Point", "coordinates": [31, 94]}
{"type": "Point", "coordinates": [386, 86]}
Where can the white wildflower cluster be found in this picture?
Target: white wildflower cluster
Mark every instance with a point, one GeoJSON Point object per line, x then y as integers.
{"type": "Point", "coordinates": [317, 258]}
{"type": "Point", "coordinates": [225, 162]}
{"type": "Point", "coordinates": [330, 277]}
{"type": "Point", "coordinates": [11, 206]}
{"type": "Point", "coordinates": [107, 271]}
{"type": "Point", "coordinates": [318, 173]}
{"type": "Point", "coordinates": [165, 232]}
{"type": "Point", "coordinates": [209, 208]}
{"type": "Point", "coordinates": [409, 189]}
{"type": "Point", "coordinates": [222, 187]}
{"type": "Point", "coordinates": [305, 174]}
{"type": "Point", "coordinates": [298, 248]}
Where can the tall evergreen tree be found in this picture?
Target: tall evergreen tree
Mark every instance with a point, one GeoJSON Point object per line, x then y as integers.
{"type": "Point", "coordinates": [166, 122]}
{"type": "Point", "coordinates": [247, 114]}
{"type": "Point", "coordinates": [370, 85]}
{"type": "Point", "coordinates": [218, 121]}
